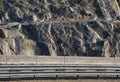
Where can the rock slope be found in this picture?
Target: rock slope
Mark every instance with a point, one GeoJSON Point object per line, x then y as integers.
{"type": "Point", "coordinates": [60, 27]}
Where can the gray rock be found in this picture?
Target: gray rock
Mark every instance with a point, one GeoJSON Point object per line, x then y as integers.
{"type": "Point", "coordinates": [2, 34]}
{"type": "Point", "coordinates": [60, 27]}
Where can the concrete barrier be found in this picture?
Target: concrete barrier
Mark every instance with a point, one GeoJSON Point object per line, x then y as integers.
{"type": "Point", "coordinates": [58, 60]}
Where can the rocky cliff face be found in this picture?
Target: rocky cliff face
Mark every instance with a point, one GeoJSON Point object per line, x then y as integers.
{"type": "Point", "coordinates": [60, 27]}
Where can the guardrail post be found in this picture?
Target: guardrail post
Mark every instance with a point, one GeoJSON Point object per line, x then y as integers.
{"type": "Point", "coordinates": [97, 76]}
{"type": "Point", "coordinates": [117, 76]}
{"type": "Point", "coordinates": [56, 76]}
{"type": "Point", "coordinates": [34, 77]}
{"type": "Point", "coordinates": [77, 77]}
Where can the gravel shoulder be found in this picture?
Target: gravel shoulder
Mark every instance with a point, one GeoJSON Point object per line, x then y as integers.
{"type": "Point", "coordinates": [80, 80]}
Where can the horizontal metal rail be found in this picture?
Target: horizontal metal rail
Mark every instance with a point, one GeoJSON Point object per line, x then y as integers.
{"type": "Point", "coordinates": [57, 68]}
{"type": "Point", "coordinates": [33, 71]}
{"type": "Point", "coordinates": [34, 75]}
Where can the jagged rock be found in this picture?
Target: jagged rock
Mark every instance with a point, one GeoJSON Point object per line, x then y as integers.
{"type": "Point", "coordinates": [60, 27]}
{"type": "Point", "coordinates": [2, 34]}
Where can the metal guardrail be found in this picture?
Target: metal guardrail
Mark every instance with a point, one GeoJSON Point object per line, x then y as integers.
{"type": "Point", "coordinates": [46, 67]}
{"type": "Point", "coordinates": [46, 71]}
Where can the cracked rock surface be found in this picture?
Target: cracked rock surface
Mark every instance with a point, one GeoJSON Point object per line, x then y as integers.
{"type": "Point", "coordinates": [60, 27]}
